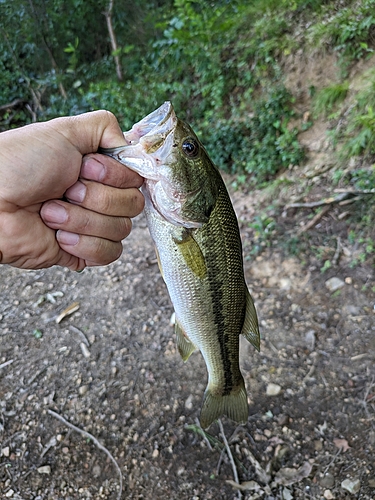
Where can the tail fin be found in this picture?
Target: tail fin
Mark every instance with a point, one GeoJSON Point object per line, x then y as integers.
{"type": "Point", "coordinates": [234, 405]}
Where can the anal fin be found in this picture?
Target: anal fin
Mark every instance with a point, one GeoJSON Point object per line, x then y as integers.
{"type": "Point", "coordinates": [184, 345]}
{"type": "Point", "coordinates": [250, 329]}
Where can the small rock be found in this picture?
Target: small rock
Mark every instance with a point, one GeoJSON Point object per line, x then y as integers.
{"type": "Point", "coordinates": [82, 390]}
{"type": "Point", "coordinates": [318, 445]}
{"type": "Point", "coordinates": [285, 284]}
{"type": "Point", "coordinates": [273, 389]}
{"type": "Point", "coordinates": [328, 495]}
{"type": "Point", "coordinates": [310, 339]}
{"type": "Point", "coordinates": [5, 451]}
{"type": "Point", "coordinates": [327, 481]}
{"type": "Point", "coordinates": [96, 470]}
{"type": "Point", "coordinates": [155, 453]}
{"type": "Point", "coordinates": [334, 284]}
{"type": "Point", "coordinates": [44, 469]}
{"type": "Point", "coordinates": [189, 402]}
{"type": "Point", "coordinates": [287, 495]}
{"type": "Point", "coordinates": [371, 483]}
{"type": "Point", "coordinates": [351, 485]}
{"type": "Point", "coordinates": [84, 350]}
{"type": "Point", "coordinates": [351, 310]}
{"type": "Point", "coordinates": [9, 493]}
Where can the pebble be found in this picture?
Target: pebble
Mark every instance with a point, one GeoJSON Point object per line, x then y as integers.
{"type": "Point", "coordinates": [83, 389]}
{"type": "Point", "coordinates": [5, 451]}
{"type": "Point", "coordinates": [96, 470]}
{"type": "Point", "coordinates": [327, 481]}
{"type": "Point", "coordinates": [287, 495]}
{"type": "Point", "coordinates": [273, 389]}
{"type": "Point", "coordinates": [9, 493]}
{"type": "Point", "coordinates": [44, 469]}
{"type": "Point", "coordinates": [351, 485]}
{"type": "Point", "coordinates": [334, 284]}
{"type": "Point", "coordinates": [189, 402]}
{"type": "Point", "coordinates": [155, 453]}
{"type": "Point", "coordinates": [328, 495]}
{"type": "Point", "coordinates": [84, 350]}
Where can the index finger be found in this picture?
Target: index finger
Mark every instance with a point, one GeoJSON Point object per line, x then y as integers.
{"type": "Point", "coordinates": [106, 170]}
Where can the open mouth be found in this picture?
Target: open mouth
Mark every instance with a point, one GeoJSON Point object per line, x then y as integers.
{"type": "Point", "coordinates": [152, 130]}
{"type": "Point", "coordinates": [148, 142]}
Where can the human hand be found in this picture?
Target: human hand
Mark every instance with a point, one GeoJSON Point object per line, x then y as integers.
{"type": "Point", "coordinates": [44, 162]}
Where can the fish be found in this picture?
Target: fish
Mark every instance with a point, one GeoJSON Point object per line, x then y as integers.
{"type": "Point", "coordinates": [198, 247]}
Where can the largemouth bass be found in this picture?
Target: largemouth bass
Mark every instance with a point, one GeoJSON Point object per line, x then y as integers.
{"type": "Point", "coordinates": [195, 231]}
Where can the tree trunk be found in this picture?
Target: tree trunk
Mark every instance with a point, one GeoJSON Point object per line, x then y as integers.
{"type": "Point", "coordinates": [112, 36]}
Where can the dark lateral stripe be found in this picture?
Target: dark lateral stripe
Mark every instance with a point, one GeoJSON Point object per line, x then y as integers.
{"type": "Point", "coordinates": [217, 286]}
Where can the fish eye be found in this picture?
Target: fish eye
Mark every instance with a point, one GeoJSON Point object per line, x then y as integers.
{"type": "Point", "coordinates": [190, 147]}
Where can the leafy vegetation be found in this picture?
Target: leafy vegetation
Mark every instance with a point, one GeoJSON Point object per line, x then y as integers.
{"type": "Point", "coordinates": [221, 64]}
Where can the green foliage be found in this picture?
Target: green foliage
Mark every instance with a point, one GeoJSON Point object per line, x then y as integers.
{"type": "Point", "coordinates": [358, 135]}
{"type": "Point", "coordinates": [348, 31]}
{"type": "Point", "coordinates": [261, 144]}
{"type": "Point", "coordinates": [329, 97]}
{"type": "Point", "coordinates": [263, 227]}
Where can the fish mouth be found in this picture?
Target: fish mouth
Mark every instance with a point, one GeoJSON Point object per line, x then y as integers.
{"type": "Point", "coordinates": [148, 142]}
{"type": "Point", "coordinates": [153, 127]}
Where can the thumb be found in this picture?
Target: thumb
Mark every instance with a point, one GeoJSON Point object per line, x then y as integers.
{"type": "Point", "coordinates": [89, 131]}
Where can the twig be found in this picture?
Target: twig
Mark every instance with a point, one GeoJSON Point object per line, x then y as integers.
{"type": "Point", "coordinates": [79, 332]}
{"type": "Point", "coordinates": [337, 252]}
{"type": "Point", "coordinates": [13, 104]}
{"type": "Point", "coordinates": [332, 461]}
{"type": "Point", "coordinates": [203, 434]}
{"type": "Point", "coordinates": [229, 453]}
{"type": "Point", "coordinates": [9, 362]}
{"type": "Point", "coordinates": [323, 202]}
{"type": "Point", "coordinates": [356, 191]}
{"type": "Point", "coordinates": [314, 220]}
{"type": "Point", "coordinates": [95, 441]}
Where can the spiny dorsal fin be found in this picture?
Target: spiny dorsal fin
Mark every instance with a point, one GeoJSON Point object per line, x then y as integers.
{"type": "Point", "coordinates": [184, 345]}
{"type": "Point", "coordinates": [250, 329]}
{"type": "Point", "coordinates": [192, 255]}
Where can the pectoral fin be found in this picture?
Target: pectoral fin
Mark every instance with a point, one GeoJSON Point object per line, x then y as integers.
{"type": "Point", "coordinates": [184, 345]}
{"type": "Point", "coordinates": [192, 255]}
{"type": "Point", "coordinates": [159, 262]}
{"type": "Point", "coordinates": [250, 329]}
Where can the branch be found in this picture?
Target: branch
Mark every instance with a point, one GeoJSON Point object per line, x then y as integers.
{"type": "Point", "coordinates": [112, 36]}
{"type": "Point", "coordinates": [230, 456]}
{"type": "Point", "coordinates": [95, 441]}
{"type": "Point", "coordinates": [314, 221]}
{"type": "Point", "coordinates": [12, 104]}
{"type": "Point", "coordinates": [319, 203]}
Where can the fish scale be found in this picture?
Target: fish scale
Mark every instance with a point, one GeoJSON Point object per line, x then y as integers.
{"type": "Point", "coordinates": [195, 231]}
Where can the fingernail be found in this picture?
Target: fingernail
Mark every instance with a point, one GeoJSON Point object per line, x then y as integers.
{"type": "Point", "coordinates": [53, 212]}
{"type": "Point", "coordinates": [67, 238]}
{"type": "Point", "coordinates": [92, 169]}
{"type": "Point", "coordinates": [77, 192]}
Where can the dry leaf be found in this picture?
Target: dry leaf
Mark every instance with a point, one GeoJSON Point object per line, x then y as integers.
{"type": "Point", "coordinates": [245, 486]}
{"type": "Point", "coordinates": [66, 312]}
{"type": "Point", "coordinates": [342, 444]}
{"type": "Point", "coordinates": [288, 476]}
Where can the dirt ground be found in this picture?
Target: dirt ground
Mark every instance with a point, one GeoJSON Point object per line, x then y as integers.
{"type": "Point", "coordinates": [111, 369]}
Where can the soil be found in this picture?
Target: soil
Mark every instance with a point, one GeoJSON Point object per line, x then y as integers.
{"type": "Point", "coordinates": [111, 369]}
